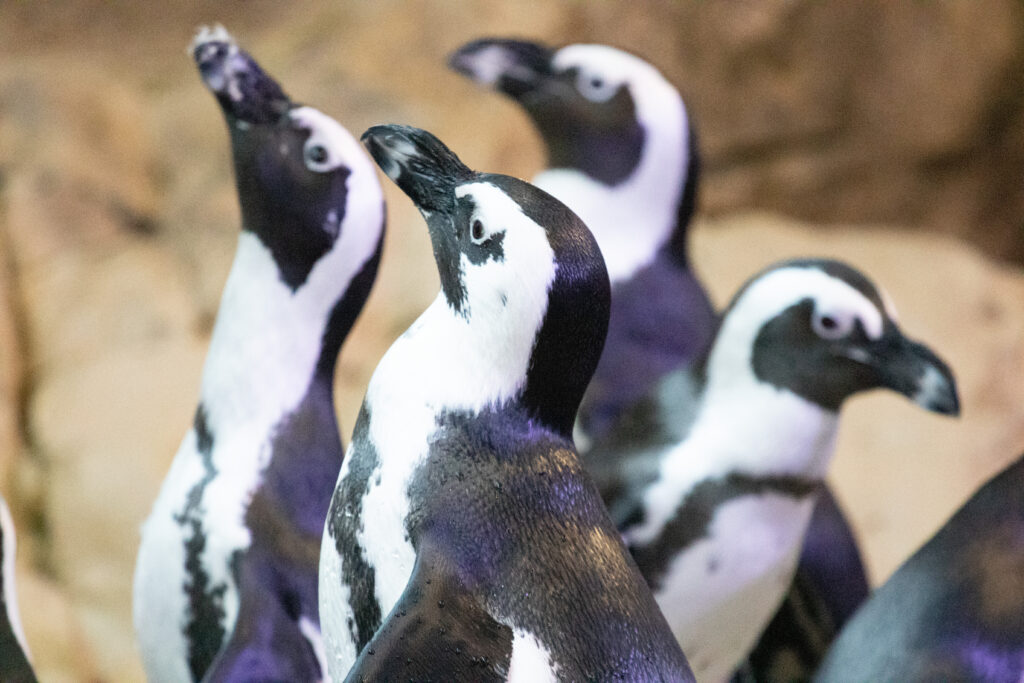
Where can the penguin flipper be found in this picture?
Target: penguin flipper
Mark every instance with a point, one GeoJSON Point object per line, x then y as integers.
{"type": "Point", "coordinates": [437, 631]}
{"type": "Point", "coordinates": [267, 645]}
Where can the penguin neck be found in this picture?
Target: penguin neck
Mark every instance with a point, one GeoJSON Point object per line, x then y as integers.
{"type": "Point", "coordinates": [272, 346]}
{"type": "Point", "coordinates": [758, 430]}
{"type": "Point", "coordinates": [447, 362]}
{"type": "Point", "coordinates": [633, 219]}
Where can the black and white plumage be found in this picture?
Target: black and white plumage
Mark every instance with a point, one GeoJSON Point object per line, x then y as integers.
{"type": "Point", "coordinates": [14, 655]}
{"type": "Point", "coordinates": [955, 610]}
{"type": "Point", "coordinates": [465, 541]}
{"type": "Point", "coordinates": [226, 579]}
{"type": "Point", "coordinates": [622, 154]}
{"type": "Point", "coordinates": [714, 502]}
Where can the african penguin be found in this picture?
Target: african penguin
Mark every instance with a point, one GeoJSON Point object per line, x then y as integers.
{"type": "Point", "coordinates": [226, 578]}
{"type": "Point", "coordinates": [955, 610]}
{"type": "Point", "coordinates": [465, 541]}
{"type": "Point", "coordinates": [14, 654]}
{"type": "Point", "coordinates": [715, 519]}
{"type": "Point", "coordinates": [622, 154]}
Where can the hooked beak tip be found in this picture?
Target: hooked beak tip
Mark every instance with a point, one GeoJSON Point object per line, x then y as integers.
{"type": "Point", "coordinates": [937, 392]}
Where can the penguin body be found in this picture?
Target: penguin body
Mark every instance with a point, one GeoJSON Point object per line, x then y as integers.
{"type": "Point", "coordinates": [622, 154]}
{"type": "Point", "coordinates": [716, 520]}
{"type": "Point", "coordinates": [465, 541]}
{"type": "Point", "coordinates": [226, 578]}
{"type": "Point", "coordinates": [14, 662]}
{"type": "Point", "coordinates": [953, 610]}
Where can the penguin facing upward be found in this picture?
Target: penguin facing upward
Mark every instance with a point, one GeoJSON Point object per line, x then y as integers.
{"type": "Point", "coordinates": [465, 541]}
{"type": "Point", "coordinates": [14, 662]}
{"type": "Point", "coordinates": [226, 577]}
{"type": "Point", "coordinates": [955, 610]}
{"type": "Point", "coordinates": [716, 519]}
{"type": "Point", "coordinates": [622, 154]}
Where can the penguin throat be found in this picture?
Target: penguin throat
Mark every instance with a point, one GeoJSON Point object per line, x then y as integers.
{"type": "Point", "coordinates": [448, 361]}
{"type": "Point", "coordinates": [634, 219]}
{"type": "Point", "coordinates": [608, 157]}
{"type": "Point", "coordinates": [269, 342]}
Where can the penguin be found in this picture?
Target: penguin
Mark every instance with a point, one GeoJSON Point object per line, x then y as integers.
{"type": "Point", "coordinates": [465, 541]}
{"type": "Point", "coordinates": [954, 611]}
{"type": "Point", "coordinates": [14, 654]}
{"type": "Point", "coordinates": [623, 154]}
{"type": "Point", "coordinates": [716, 519]}
{"type": "Point", "coordinates": [226, 578]}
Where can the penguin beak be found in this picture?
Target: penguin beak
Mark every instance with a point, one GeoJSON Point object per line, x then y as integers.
{"type": "Point", "coordinates": [245, 92]}
{"type": "Point", "coordinates": [420, 164]}
{"type": "Point", "coordinates": [913, 370]}
{"type": "Point", "coordinates": [514, 67]}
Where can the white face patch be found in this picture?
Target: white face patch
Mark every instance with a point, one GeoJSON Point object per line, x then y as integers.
{"type": "Point", "coordinates": [502, 295]}
{"type": "Point", "coordinates": [7, 570]}
{"type": "Point", "coordinates": [444, 362]}
{"type": "Point", "coordinates": [265, 346]}
{"type": "Point", "coordinates": [770, 295]}
{"type": "Point", "coordinates": [326, 133]}
{"type": "Point", "coordinates": [634, 218]}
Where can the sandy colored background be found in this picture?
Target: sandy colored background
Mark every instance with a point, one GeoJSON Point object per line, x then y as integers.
{"type": "Point", "coordinates": [889, 134]}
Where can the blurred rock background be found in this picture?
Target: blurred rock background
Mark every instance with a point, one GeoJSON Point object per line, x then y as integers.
{"type": "Point", "coordinates": [887, 134]}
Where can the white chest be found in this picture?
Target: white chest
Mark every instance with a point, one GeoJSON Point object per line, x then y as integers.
{"type": "Point", "coordinates": [720, 593]}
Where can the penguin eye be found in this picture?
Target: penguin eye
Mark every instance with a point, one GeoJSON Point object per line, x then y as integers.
{"type": "Point", "coordinates": [595, 88]}
{"type": "Point", "coordinates": [477, 231]}
{"type": "Point", "coordinates": [831, 327]}
{"type": "Point", "coordinates": [316, 157]}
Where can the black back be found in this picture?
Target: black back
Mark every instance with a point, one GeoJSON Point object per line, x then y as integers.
{"type": "Point", "coordinates": [954, 610]}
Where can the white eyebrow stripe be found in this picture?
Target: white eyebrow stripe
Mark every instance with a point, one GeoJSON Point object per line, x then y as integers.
{"type": "Point", "coordinates": [778, 290]}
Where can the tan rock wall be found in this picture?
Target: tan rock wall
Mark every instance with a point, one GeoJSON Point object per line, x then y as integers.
{"type": "Point", "coordinates": [118, 221]}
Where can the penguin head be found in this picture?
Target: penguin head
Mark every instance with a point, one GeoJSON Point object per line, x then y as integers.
{"type": "Point", "coordinates": [515, 265]}
{"type": "Point", "coordinates": [293, 164]}
{"type": "Point", "coordinates": [595, 106]}
{"type": "Point", "coordinates": [821, 330]}
{"type": "Point", "coordinates": [621, 149]}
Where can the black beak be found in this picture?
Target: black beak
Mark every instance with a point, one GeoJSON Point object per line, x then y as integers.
{"type": "Point", "coordinates": [419, 164]}
{"type": "Point", "coordinates": [244, 90]}
{"type": "Point", "coordinates": [514, 67]}
{"type": "Point", "coordinates": [915, 371]}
